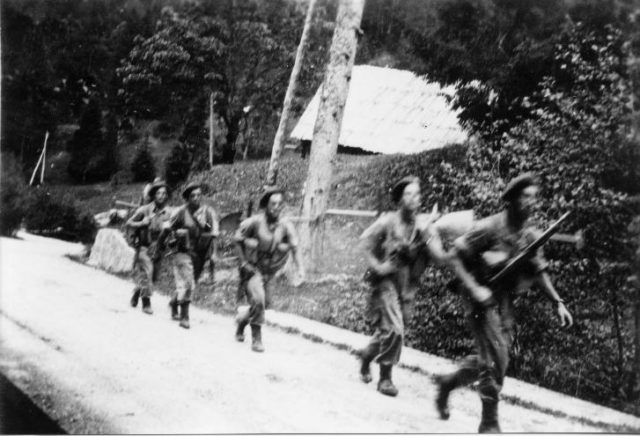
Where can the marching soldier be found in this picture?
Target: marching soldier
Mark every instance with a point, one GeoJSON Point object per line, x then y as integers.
{"type": "Point", "coordinates": [479, 254]}
{"type": "Point", "coordinates": [263, 243]}
{"type": "Point", "coordinates": [398, 247]}
{"type": "Point", "coordinates": [196, 227]}
{"type": "Point", "coordinates": [147, 223]}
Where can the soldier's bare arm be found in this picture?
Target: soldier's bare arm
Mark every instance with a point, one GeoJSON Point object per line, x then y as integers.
{"type": "Point", "coordinates": [138, 219]}
{"type": "Point", "coordinates": [544, 282]}
{"type": "Point", "coordinates": [369, 241]}
{"type": "Point", "coordinates": [476, 292]}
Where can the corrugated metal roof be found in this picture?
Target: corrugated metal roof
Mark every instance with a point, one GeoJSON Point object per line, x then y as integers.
{"type": "Point", "coordinates": [391, 111]}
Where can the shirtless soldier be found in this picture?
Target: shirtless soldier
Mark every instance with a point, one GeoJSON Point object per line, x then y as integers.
{"type": "Point", "coordinates": [263, 242]}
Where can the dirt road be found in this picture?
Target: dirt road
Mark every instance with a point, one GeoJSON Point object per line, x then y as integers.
{"type": "Point", "coordinates": [70, 340]}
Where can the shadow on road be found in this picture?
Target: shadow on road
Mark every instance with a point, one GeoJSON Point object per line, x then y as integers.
{"type": "Point", "coordinates": [19, 415]}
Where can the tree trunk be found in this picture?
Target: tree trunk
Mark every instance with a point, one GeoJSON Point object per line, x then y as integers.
{"type": "Point", "coordinates": [326, 132]}
{"type": "Point", "coordinates": [211, 141]}
{"type": "Point", "coordinates": [229, 149]}
{"type": "Point", "coordinates": [636, 361]}
{"type": "Point", "coordinates": [278, 142]}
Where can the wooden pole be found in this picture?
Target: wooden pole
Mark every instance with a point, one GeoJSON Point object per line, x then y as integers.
{"type": "Point", "coordinates": [44, 157]}
{"type": "Point", "coordinates": [211, 130]}
{"type": "Point", "coordinates": [326, 132]}
{"type": "Point", "coordinates": [35, 170]}
{"type": "Point", "coordinates": [278, 142]}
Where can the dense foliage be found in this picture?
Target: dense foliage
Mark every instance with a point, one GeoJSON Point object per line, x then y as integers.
{"type": "Point", "coordinates": [13, 195]}
{"type": "Point", "coordinates": [58, 215]}
{"type": "Point", "coordinates": [142, 166]}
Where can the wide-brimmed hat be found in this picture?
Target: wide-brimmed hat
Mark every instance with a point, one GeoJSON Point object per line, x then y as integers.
{"type": "Point", "coordinates": [398, 188]}
{"type": "Point", "coordinates": [186, 192]}
{"type": "Point", "coordinates": [157, 184]}
{"type": "Point", "coordinates": [517, 185]}
{"type": "Point", "coordinates": [266, 195]}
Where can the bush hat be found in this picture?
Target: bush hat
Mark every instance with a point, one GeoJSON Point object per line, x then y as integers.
{"type": "Point", "coordinates": [517, 185]}
{"type": "Point", "coordinates": [398, 188]}
{"type": "Point", "coordinates": [267, 195]}
{"type": "Point", "coordinates": [157, 184]}
{"type": "Point", "coordinates": [186, 192]}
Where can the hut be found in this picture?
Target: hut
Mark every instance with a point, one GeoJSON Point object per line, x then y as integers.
{"type": "Point", "coordinates": [388, 111]}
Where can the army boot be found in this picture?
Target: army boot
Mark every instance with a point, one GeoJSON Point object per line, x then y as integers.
{"type": "Point", "coordinates": [385, 385]}
{"type": "Point", "coordinates": [240, 326]}
{"type": "Point", "coordinates": [442, 399]}
{"type": "Point", "coordinates": [256, 338]}
{"type": "Point", "coordinates": [173, 304]}
{"type": "Point", "coordinates": [365, 365]}
{"type": "Point", "coordinates": [135, 297]}
{"type": "Point", "coordinates": [489, 422]}
{"type": "Point", "coordinates": [184, 315]}
{"type": "Point", "coordinates": [146, 305]}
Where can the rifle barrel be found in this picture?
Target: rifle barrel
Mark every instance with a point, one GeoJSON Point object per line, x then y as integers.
{"type": "Point", "coordinates": [529, 249]}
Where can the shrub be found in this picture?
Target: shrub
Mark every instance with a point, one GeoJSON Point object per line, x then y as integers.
{"type": "Point", "coordinates": [93, 158]}
{"type": "Point", "coordinates": [142, 165]}
{"type": "Point", "coordinates": [177, 166]}
{"type": "Point", "coordinates": [14, 195]}
{"type": "Point", "coordinates": [55, 215]}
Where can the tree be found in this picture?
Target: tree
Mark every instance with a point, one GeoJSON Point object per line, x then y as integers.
{"type": "Point", "coordinates": [92, 158]}
{"type": "Point", "coordinates": [498, 51]}
{"type": "Point", "coordinates": [56, 57]}
{"type": "Point", "coordinates": [577, 140]}
{"type": "Point", "coordinates": [328, 123]}
{"type": "Point", "coordinates": [228, 51]}
{"type": "Point", "coordinates": [142, 165]}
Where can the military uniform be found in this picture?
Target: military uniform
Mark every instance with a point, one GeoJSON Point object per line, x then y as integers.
{"type": "Point", "coordinates": [195, 234]}
{"type": "Point", "coordinates": [391, 302]}
{"type": "Point", "coordinates": [485, 250]}
{"type": "Point", "coordinates": [147, 258]}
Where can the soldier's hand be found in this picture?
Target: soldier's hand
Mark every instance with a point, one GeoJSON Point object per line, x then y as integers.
{"type": "Point", "coordinates": [566, 320]}
{"type": "Point", "coordinates": [386, 268]}
{"type": "Point", "coordinates": [299, 278]}
{"type": "Point", "coordinates": [282, 247]}
{"type": "Point", "coordinates": [145, 221]}
{"type": "Point", "coordinates": [484, 296]}
{"type": "Point", "coordinates": [251, 243]}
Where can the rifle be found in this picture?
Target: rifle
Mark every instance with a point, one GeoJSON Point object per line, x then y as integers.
{"type": "Point", "coordinates": [529, 250]}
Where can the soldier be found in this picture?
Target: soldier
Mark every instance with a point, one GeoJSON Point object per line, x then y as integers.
{"type": "Point", "coordinates": [263, 242]}
{"type": "Point", "coordinates": [478, 255]}
{"type": "Point", "coordinates": [398, 247]}
{"type": "Point", "coordinates": [196, 227]}
{"type": "Point", "coordinates": [147, 222]}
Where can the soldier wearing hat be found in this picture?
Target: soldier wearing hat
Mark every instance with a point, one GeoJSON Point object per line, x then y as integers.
{"type": "Point", "coordinates": [398, 247]}
{"type": "Point", "coordinates": [263, 243]}
{"type": "Point", "coordinates": [196, 227]}
{"type": "Point", "coordinates": [147, 222]}
{"type": "Point", "coordinates": [480, 254]}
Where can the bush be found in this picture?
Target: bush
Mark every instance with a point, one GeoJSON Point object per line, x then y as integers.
{"type": "Point", "coordinates": [142, 165]}
{"type": "Point", "coordinates": [177, 166]}
{"type": "Point", "coordinates": [93, 159]}
{"type": "Point", "coordinates": [14, 195]}
{"type": "Point", "coordinates": [58, 216]}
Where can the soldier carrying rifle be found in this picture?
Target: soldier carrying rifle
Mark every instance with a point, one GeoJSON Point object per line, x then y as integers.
{"type": "Point", "coordinates": [196, 228]}
{"type": "Point", "coordinates": [147, 223]}
{"type": "Point", "coordinates": [490, 263]}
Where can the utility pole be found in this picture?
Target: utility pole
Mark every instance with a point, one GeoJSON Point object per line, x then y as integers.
{"type": "Point", "coordinates": [278, 142]}
{"type": "Point", "coordinates": [326, 132]}
{"type": "Point", "coordinates": [211, 130]}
